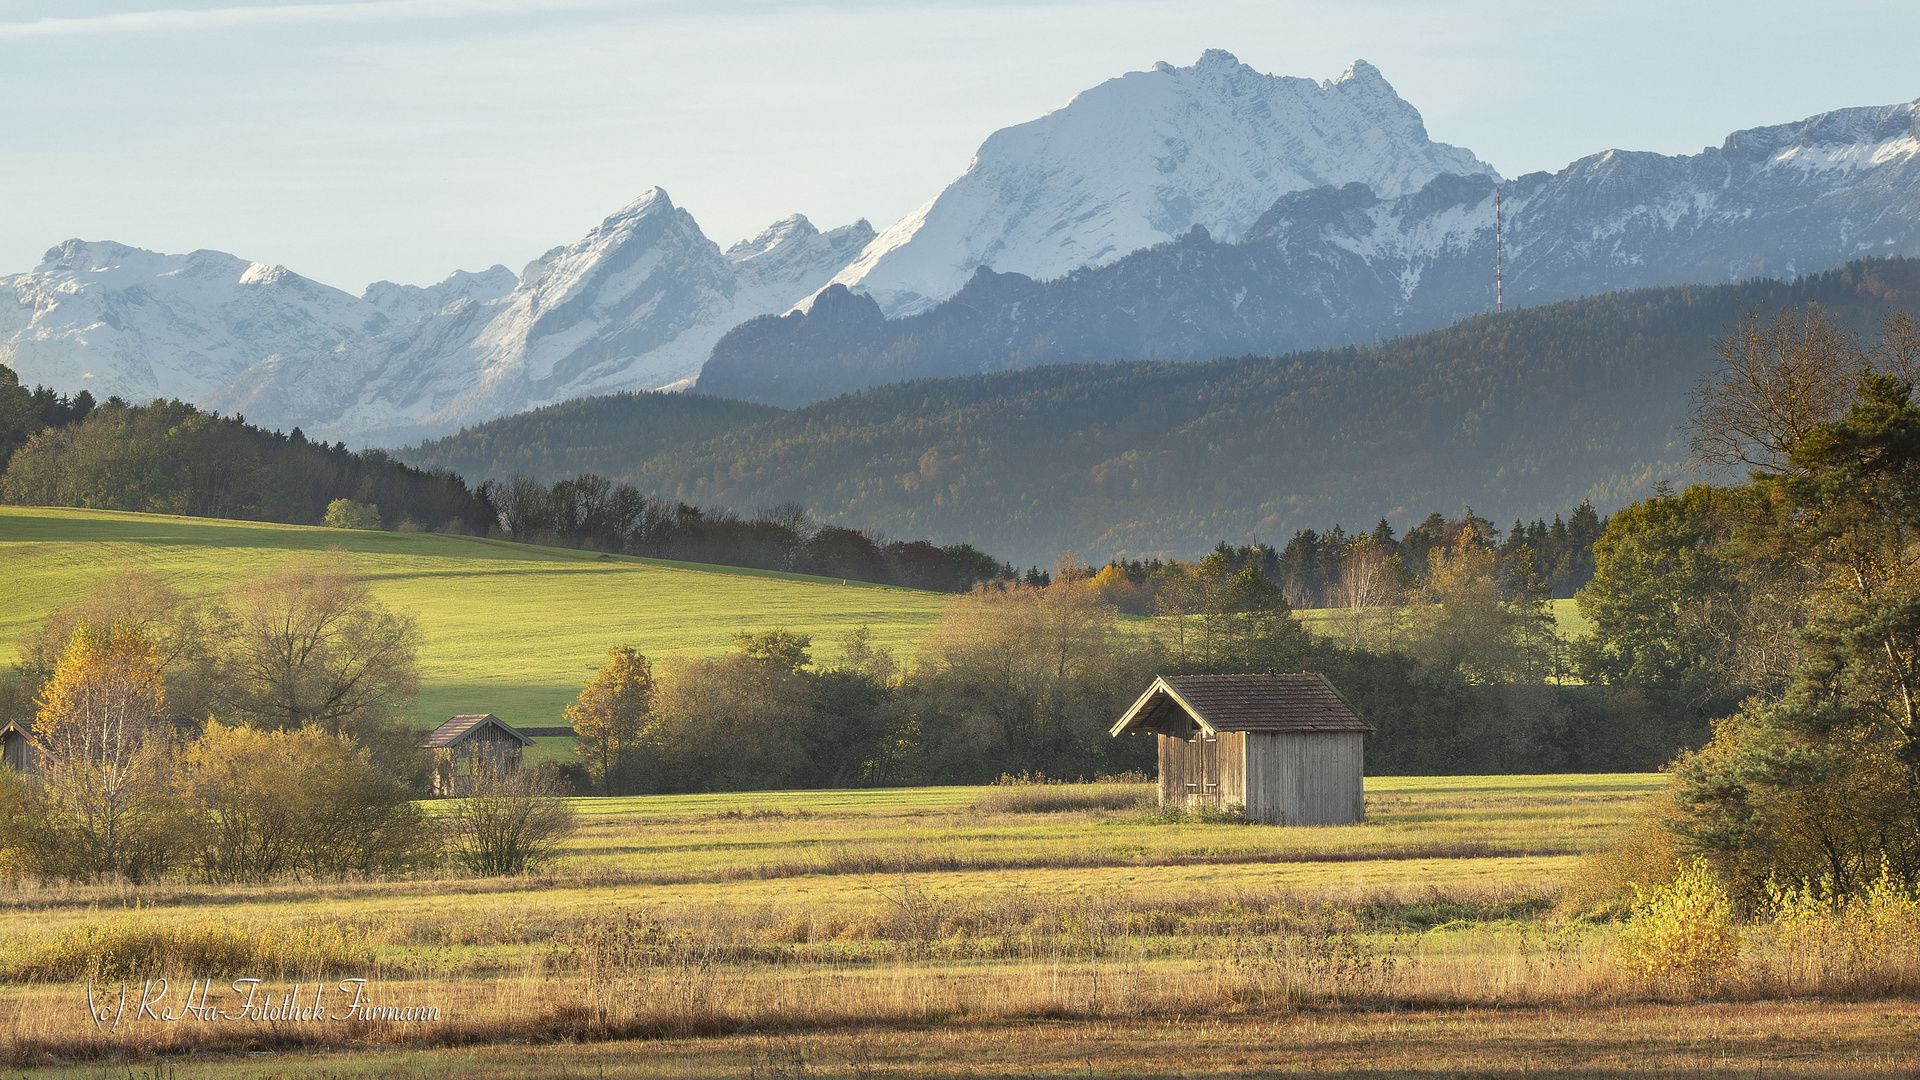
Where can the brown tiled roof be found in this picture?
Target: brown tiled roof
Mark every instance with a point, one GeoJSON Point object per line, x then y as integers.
{"type": "Point", "coordinates": [1270, 702]}
{"type": "Point", "coordinates": [460, 727]}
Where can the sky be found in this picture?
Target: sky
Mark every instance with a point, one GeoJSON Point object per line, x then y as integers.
{"type": "Point", "coordinates": [360, 140]}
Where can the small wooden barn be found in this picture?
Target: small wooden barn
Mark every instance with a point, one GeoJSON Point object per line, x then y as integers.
{"type": "Point", "coordinates": [1287, 749]}
{"type": "Point", "coordinates": [470, 743]}
{"type": "Point", "coordinates": [16, 745]}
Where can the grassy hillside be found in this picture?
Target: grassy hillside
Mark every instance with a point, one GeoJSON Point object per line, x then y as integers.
{"type": "Point", "coordinates": [1521, 414]}
{"type": "Point", "coordinates": [507, 628]}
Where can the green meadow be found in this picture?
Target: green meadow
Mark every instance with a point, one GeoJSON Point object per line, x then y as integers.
{"type": "Point", "coordinates": [510, 629]}
{"type": "Point", "coordinates": [1567, 620]}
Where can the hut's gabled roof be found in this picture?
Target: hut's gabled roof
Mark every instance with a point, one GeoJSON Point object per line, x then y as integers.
{"type": "Point", "coordinates": [466, 726]}
{"type": "Point", "coordinates": [1182, 704]}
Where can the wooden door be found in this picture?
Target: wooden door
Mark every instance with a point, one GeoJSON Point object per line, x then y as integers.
{"type": "Point", "coordinates": [1208, 747]}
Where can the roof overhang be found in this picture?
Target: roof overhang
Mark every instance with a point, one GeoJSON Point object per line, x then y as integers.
{"type": "Point", "coordinates": [1147, 704]}
{"type": "Point", "coordinates": [436, 741]}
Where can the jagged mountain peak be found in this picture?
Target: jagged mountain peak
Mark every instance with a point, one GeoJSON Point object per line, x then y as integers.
{"type": "Point", "coordinates": [401, 302]}
{"type": "Point", "coordinates": [1141, 159]}
{"type": "Point", "coordinates": [636, 303]}
{"type": "Point", "coordinates": [1362, 73]}
{"type": "Point", "coordinates": [786, 230]}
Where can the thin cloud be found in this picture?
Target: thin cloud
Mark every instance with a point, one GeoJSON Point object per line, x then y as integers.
{"type": "Point", "coordinates": [358, 11]}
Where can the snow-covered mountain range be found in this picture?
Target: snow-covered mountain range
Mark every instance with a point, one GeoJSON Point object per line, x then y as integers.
{"type": "Point", "coordinates": [1175, 212]}
{"type": "Point", "coordinates": [1141, 159]}
{"type": "Point", "coordinates": [637, 304]}
{"type": "Point", "coordinates": [1344, 264]}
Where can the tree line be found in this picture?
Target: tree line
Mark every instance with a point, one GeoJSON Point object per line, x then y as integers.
{"type": "Point", "coordinates": [169, 457]}
{"type": "Point", "coordinates": [1337, 570]}
{"type": "Point", "coordinates": [1787, 607]}
{"type": "Point", "coordinates": [1026, 678]}
{"type": "Point", "coordinates": [591, 512]}
{"type": "Point", "coordinates": [252, 735]}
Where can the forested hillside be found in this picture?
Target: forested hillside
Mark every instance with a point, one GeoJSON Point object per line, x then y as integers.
{"type": "Point", "coordinates": [552, 443]}
{"type": "Point", "coordinates": [1519, 415]}
{"type": "Point", "coordinates": [169, 457]}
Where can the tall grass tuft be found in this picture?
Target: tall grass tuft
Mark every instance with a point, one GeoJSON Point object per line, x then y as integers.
{"type": "Point", "coordinates": [135, 947]}
{"type": "Point", "coordinates": [1054, 798]}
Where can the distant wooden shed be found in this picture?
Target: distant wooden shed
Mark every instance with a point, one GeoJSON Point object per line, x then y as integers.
{"type": "Point", "coordinates": [1288, 749]}
{"type": "Point", "coordinates": [471, 743]}
{"type": "Point", "coordinates": [16, 745]}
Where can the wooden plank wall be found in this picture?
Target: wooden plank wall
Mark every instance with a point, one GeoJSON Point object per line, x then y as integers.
{"type": "Point", "coordinates": [1306, 778]}
{"type": "Point", "coordinates": [1208, 771]}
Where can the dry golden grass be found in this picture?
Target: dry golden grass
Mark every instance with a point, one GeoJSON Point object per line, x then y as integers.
{"type": "Point", "coordinates": [832, 920]}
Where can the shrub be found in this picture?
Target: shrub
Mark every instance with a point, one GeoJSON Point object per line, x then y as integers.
{"type": "Point", "coordinates": [269, 803]}
{"type": "Point", "coordinates": [1827, 941]}
{"type": "Point", "coordinates": [513, 822]}
{"type": "Point", "coordinates": [1644, 855]}
{"type": "Point", "coordinates": [1681, 935]}
{"type": "Point", "coordinates": [347, 514]}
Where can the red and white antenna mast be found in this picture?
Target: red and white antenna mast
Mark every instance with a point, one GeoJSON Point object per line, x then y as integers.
{"type": "Point", "coordinates": [1499, 264]}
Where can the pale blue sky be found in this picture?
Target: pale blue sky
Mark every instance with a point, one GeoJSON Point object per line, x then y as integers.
{"type": "Point", "coordinates": [363, 139]}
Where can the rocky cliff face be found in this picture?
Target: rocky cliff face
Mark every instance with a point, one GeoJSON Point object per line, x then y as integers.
{"type": "Point", "coordinates": [1337, 265]}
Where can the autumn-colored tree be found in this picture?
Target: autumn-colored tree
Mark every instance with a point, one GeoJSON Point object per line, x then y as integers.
{"type": "Point", "coordinates": [135, 598]}
{"type": "Point", "coordinates": [1367, 593]}
{"type": "Point", "coordinates": [1775, 382]}
{"type": "Point", "coordinates": [1462, 620]}
{"type": "Point", "coordinates": [102, 753]}
{"type": "Point", "coordinates": [267, 803]}
{"type": "Point", "coordinates": [610, 717]}
{"type": "Point", "coordinates": [308, 643]}
{"type": "Point", "coordinates": [1014, 679]}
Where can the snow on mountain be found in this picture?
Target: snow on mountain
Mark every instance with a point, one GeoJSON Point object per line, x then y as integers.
{"type": "Point", "coordinates": [637, 304]}
{"type": "Point", "coordinates": [1141, 159]}
{"type": "Point", "coordinates": [1341, 265]}
{"type": "Point", "coordinates": [407, 303]}
{"type": "Point", "coordinates": [119, 320]}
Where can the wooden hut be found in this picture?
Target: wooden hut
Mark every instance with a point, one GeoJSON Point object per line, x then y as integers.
{"type": "Point", "coordinates": [471, 743]}
{"type": "Point", "coordinates": [1287, 749]}
{"type": "Point", "coordinates": [16, 745]}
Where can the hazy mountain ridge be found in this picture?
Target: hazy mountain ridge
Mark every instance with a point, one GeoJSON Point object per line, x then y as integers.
{"type": "Point", "coordinates": [1520, 414]}
{"type": "Point", "coordinates": [1333, 265]}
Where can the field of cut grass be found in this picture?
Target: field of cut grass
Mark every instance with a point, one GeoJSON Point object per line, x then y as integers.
{"type": "Point", "coordinates": [510, 629]}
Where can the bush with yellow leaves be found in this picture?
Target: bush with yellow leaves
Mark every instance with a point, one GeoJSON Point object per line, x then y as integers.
{"type": "Point", "coordinates": [1681, 936]}
{"type": "Point", "coordinates": [1825, 941]}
